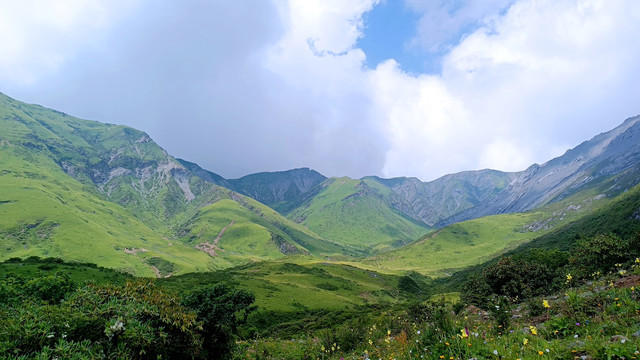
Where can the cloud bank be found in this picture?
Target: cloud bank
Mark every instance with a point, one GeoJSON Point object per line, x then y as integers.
{"type": "Point", "coordinates": [242, 87]}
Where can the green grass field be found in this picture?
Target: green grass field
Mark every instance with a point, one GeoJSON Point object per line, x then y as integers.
{"type": "Point", "coordinates": [355, 213]}
{"type": "Point", "coordinates": [473, 242]}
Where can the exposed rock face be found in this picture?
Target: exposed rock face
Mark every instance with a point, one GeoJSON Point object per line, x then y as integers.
{"type": "Point", "coordinates": [281, 186]}
{"type": "Point", "coordinates": [614, 153]}
{"type": "Point", "coordinates": [434, 201]}
{"type": "Point", "coordinates": [276, 189]}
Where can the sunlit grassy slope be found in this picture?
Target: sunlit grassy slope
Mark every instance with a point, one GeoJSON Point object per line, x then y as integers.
{"type": "Point", "coordinates": [475, 241]}
{"type": "Point", "coordinates": [44, 212]}
{"type": "Point", "coordinates": [356, 213]}
{"type": "Point", "coordinates": [107, 194]}
{"type": "Point", "coordinates": [249, 232]}
{"type": "Point", "coordinates": [78, 272]}
{"type": "Point", "coordinates": [287, 286]}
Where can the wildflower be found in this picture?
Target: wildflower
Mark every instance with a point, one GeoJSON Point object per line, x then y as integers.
{"type": "Point", "coordinates": [545, 303]}
{"type": "Point", "coordinates": [464, 333]}
{"type": "Point", "coordinates": [540, 352]}
{"type": "Point", "coordinates": [575, 336]}
{"type": "Point", "coordinates": [388, 332]}
{"type": "Point", "coordinates": [418, 332]}
{"type": "Point", "coordinates": [370, 342]}
{"type": "Point", "coordinates": [533, 329]}
{"type": "Point", "coordinates": [569, 277]}
{"type": "Point", "coordinates": [525, 341]}
{"type": "Point", "coordinates": [495, 352]}
{"type": "Point", "coordinates": [637, 260]}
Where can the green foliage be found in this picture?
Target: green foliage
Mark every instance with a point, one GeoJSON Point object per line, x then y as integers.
{"type": "Point", "coordinates": [407, 284]}
{"type": "Point", "coordinates": [51, 288]}
{"type": "Point", "coordinates": [519, 276]}
{"type": "Point", "coordinates": [134, 320]}
{"type": "Point", "coordinates": [221, 309]}
{"type": "Point", "coordinates": [164, 267]}
{"type": "Point", "coordinates": [604, 253]}
{"type": "Point", "coordinates": [500, 310]}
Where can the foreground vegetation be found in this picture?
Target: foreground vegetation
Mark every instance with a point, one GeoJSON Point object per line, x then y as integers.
{"type": "Point", "coordinates": [539, 304]}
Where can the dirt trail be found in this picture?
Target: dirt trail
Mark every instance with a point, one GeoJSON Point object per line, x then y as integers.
{"type": "Point", "coordinates": [215, 242]}
{"type": "Point", "coordinates": [212, 248]}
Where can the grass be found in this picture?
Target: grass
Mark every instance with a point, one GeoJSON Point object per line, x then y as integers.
{"type": "Point", "coordinates": [476, 241]}
{"type": "Point", "coordinates": [598, 321]}
{"type": "Point", "coordinates": [46, 213]}
{"type": "Point", "coordinates": [108, 194]}
{"type": "Point", "coordinates": [356, 214]}
{"type": "Point", "coordinates": [78, 272]}
{"type": "Point", "coordinates": [285, 286]}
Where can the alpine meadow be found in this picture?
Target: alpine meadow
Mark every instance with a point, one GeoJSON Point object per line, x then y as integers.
{"type": "Point", "coordinates": [320, 180]}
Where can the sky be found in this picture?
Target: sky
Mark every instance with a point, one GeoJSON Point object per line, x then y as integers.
{"type": "Point", "coordinates": [346, 87]}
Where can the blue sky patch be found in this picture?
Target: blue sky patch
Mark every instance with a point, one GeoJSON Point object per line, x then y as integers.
{"type": "Point", "coordinates": [388, 30]}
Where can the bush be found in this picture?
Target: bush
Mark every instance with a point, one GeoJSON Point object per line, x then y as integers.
{"type": "Point", "coordinates": [137, 320]}
{"type": "Point", "coordinates": [602, 253]}
{"type": "Point", "coordinates": [52, 288]}
{"type": "Point", "coordinates": [221, 309]}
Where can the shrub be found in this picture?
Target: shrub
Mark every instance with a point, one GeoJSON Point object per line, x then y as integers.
{"type": "Point", "coordinates": [52, 288]}
{"type": "Point", "coordinates": [602, 253]}
{"type": "Point", "coordinates": [221, 309]}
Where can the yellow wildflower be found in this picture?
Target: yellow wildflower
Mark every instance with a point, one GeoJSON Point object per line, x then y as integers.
{"type": "Point", "coordinates": [533, 329]}
{"type": "Point", "coordinates": [525, 341]}
{"type": "Point", "coordinates": [540, 352]}
{"type": "Point", "coordinates": [545, 303]}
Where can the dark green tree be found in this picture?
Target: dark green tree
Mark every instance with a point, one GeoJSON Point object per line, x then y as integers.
{"type": "Point", "coordinates": [221, 308]}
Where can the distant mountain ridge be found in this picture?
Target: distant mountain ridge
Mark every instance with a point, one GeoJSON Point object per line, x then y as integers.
{"type": "Point", "coordinates": [108, 194]}
{"type": "Point", "coordinates": [472, 194]}
{"type": "Point", "coordinates": [277, 190]}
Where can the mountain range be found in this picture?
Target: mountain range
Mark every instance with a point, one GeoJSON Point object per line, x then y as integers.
{"type": "Point", "coordinates": [108, 194]}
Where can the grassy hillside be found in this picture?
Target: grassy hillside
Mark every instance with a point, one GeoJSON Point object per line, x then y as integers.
{"type": "Point", "coordinates": [44, 212]}
{"type": "Point", "coordinates": [78, 272]}
{"type": "Point", "coordinates": [620, 217]}
{"type": "Point", "coordinates": [233, 234]}
{"type": "Point", "coordinates": [357, 214]}
{"type": "Point", "coordinates": [291, 285]}
{"type": "Point", "coordinates": [107, 194]}
{"type": "Point", "coordinates": [476, 241]}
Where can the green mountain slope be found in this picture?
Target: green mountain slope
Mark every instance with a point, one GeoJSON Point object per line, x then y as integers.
{"type": "Point", "coordinates": [108, 194]}
{"type": "Point", "coordinates": [358, 214]}
{"type": "Point", "coordinates": [476, 241]}
{"type": "Point", "coordinates": [620, 217]}
{"type": "Point", "coordinates": [44, 212]}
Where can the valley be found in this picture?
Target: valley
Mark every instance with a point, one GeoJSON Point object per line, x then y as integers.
{"type": "Point", "coordinates": [85, 204]}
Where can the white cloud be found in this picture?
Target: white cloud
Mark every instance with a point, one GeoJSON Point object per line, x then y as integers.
{"type": "Point", "coordinates": [39, 36]}
{"type": "Point", "coordinates": [283, 85]}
